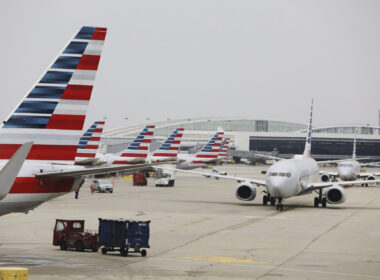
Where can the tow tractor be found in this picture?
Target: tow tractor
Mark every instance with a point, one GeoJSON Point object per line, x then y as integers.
{"type": "Point", "coordinates": [70, 234]}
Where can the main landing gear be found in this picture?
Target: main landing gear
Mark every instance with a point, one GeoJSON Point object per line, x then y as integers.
{"type": "Point", "coordinates": [320, 200]}
{"type": "Point", "coordinates": [268, 198]}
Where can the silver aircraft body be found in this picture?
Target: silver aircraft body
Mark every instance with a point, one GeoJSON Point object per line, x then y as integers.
{"type": "Point", "coordinates": [349, 170]}
{"type": "Point", "coordinates": [291, 177]}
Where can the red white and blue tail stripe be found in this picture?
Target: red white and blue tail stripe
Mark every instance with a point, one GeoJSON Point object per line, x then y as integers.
{"type": "Point", "coordinates": [53, 113]}
{"type": "Point", "coordinates": [210, 151]}
{"type": "Point", "coordinates": [223, 149]}
{"type": "Point", "coordinates": [138, 150]}
{"type": "Point", "coordinates": [170, 148]}
{"type": "Point", "coordinates": [90, 141]}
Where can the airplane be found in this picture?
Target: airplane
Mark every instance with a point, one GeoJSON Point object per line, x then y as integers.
{"type": "Point", "coordinates": [89, 144]}
{"type": "Point", "coordinates": [51, 116]}
{"type": "Point", "coordinates": [349, 170]}
{"type": "Point", "coordinates": [136, 152]}
{"type": "Point", "coordinates": [291, 177]}
{"type": "Point", "coordinates": [168, 151]}
{"type": "Point", "coordinates": [207, 155]}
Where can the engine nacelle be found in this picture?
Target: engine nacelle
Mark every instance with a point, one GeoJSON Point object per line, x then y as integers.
{"type": "Point", "coordinates": [246, 191]}
{"type": "Point", "coordinates": [335, 194]}
{"type": "Point", "coordinates": [371, 177]}
{"type": "Point", "coordinates": [325, 177]}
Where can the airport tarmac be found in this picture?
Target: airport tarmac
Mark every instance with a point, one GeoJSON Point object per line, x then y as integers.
{"type": "Point", "coordinates": [199, 230]}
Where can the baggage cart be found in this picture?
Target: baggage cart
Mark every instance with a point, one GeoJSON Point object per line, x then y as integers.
{"type": "Point", "coordinates": [125, 236]}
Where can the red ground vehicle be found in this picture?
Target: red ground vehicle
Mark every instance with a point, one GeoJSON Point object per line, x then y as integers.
{"type": "Point", "coordinates": [139, 179]}
{"type": "Point", "coordinates": [71, 234]}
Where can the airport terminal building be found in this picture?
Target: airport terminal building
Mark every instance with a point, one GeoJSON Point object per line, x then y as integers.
{"type": "Point", "coordinates": [247, 135]}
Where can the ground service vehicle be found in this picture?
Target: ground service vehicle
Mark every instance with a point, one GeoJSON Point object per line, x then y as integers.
{"type": "Point", "coordinates": [164, 177]}
{"type": "Point", "coordinates": [102, 186]}
{"type": "Point", "coordinates": [139, 179]}
{"type": "Point", "coordinates": [71, 234]}
{"type": "Point", "coordinates": [125, 236]}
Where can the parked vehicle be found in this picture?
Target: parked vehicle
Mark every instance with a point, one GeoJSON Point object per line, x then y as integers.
{"type": "Point", "coordinates": [165, 177]}
{"type": "Point", "coordinates": [124, 235]}
{"type": "Point", "coordinates": [70, 234]}
{"type": "Point", "coordinates": [102, 186]}
{"type": "Point", "coordinates": [139, 179]}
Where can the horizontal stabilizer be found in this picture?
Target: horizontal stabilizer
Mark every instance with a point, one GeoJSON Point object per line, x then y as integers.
{"type": "Point", "coordinates": [10, 170]}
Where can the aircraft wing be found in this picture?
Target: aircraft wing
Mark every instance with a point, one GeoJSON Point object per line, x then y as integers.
{"type": "Point", "coordinates": [269, 157]}
{"type": "Point", "coordinates": [367, 174]}
{"type": "Point", "coordinates": [10, 170]}
{"type": "Point", "coordinates": [330, 173]}
{"type": "Point", "coordinates": [93, 171]}
{"type": "Point", "coordinates": [217, 176]}
{"type": "Point", "coordinates": [87, 161]}
{"type": "Point", "coordinates": [322, 185]}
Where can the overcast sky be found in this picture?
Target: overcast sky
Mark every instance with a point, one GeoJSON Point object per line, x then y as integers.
{"type": "Point", "coordinates": [188, 59]}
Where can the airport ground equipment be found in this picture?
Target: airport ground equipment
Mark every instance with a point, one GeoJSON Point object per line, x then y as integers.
{"type": "Point", "coordinates": [70, 234]}
{"type": "Point", "coordinates": [125, 236]}
{"type": "Point", "coordinates": [139, 179]}
{"type": "Point", "coordinates": [164, 177]}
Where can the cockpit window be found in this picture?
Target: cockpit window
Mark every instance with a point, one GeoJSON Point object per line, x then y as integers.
{"type": "Point", "coordinates": [346, 165]}
{"type": "Point", "coordinates": [281, 174]}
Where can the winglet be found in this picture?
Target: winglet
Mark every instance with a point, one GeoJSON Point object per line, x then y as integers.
{"type": "Point", "coordinates": [307, 152]}
{"type": "Point", "coordinates": [354, 149]}
{"type": "Point", "coordinates": [10, 170]}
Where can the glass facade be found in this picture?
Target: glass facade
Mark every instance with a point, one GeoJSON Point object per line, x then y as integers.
{"type": "Point", "coordinates": [232, 125]}
{"type": "Point", "coordinates": [320, 146]}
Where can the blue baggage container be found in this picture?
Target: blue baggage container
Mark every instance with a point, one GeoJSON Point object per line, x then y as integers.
{"type": "Point", "coordinates": [124, 236]}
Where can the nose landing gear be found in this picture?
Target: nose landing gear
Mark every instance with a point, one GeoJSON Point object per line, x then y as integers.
{"type": "Point", "coordinates": [279, 206]}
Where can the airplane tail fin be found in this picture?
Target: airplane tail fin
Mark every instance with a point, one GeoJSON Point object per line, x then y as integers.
{"type": "Point", "coordinates": [90, 141]}
{"type": "Point", "coordinates": [139, 148]}
{"type": "Point", "coordinates": [170, 148]}
{"type": "Point", "coordinates": [307, 151]}
{"type": "Point", "coordinates": [211, 150]}
{"type": "Point", "coordinates": [52, 114]}
{"type": "Point", "coordinates": [223, 148]}
{"type": "Point", "coordinates": [354, 149]}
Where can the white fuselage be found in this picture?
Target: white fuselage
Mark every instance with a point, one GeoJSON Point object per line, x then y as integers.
{"type": "Point", "coordinates": [349, 170]}
{"type": "Point", "coordinates": [189, 161]}
{"type": "Point", "coordinates": [28, 192]}
{"type": "Point", "coordinates": [288, 177]}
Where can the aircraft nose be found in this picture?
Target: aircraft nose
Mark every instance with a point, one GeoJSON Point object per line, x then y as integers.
{"type": "Point", "coordinates": [276, 186]}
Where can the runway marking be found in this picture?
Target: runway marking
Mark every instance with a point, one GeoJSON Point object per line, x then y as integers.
{"type": "Point", "coordinates": [13, 215]}
{"type": "Point", "coordinates": [222, 259]}
{"type": "Point", "coordinates": [257, 220]}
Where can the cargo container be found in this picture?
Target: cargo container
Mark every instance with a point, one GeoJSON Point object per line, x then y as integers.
{"type": "Point", "coordinates": [126, 236]}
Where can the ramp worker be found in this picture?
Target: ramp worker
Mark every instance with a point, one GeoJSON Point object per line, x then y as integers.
{"type": "Point", "coordinates": [76, 193]}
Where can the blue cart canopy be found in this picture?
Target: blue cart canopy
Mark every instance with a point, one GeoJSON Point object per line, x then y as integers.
{"type": "Point", "coordinates": [124, 233]}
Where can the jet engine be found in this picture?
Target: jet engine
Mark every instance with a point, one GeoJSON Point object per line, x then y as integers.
{"type": "Point", "coordinates": [246, 191]}
{"type": "Point", "coordinates": [325, 177]}
{"type": "Point", "coordinates": [335, 194]}
{"type": "Point", "coordinates": [371, 177]}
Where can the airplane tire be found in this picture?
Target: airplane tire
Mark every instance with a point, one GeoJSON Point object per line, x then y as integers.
{"type": "Point", "coordinates": [265, 200]}
{"type": "Point", "coordinates": [324, 202]}
{"type": "Point", "coordinates": [316, 202]}
{"type": "Point", "coordinates": [272, 201]}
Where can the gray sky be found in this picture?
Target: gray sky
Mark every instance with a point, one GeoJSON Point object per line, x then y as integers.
{"type": "Point", "coordinates": [188, 59]}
